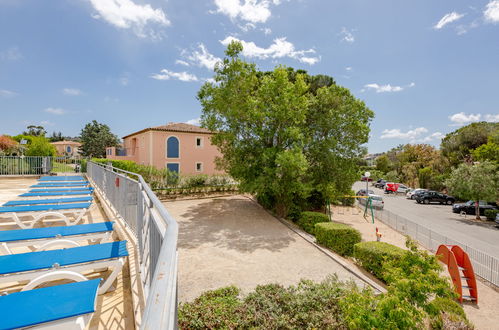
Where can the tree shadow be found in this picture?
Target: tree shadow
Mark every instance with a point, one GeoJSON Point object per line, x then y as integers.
{"type": "Point", "coordinates": [233, 224]}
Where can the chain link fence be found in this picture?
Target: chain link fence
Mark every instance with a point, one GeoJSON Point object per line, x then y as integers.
{"type": "Point", "coordinates": [484, 265]}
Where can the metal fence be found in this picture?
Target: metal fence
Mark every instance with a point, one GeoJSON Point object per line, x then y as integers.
{"type": "Point", "coordinates": [156, 232]}
{"type": "Point", "coordinates": [484, 265]}
{"type": "Point", "coordinates": [38, 165]}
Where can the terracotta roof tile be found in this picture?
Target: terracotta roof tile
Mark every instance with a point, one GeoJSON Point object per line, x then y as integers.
{"type": "Point", "coordinates": [174, 127]}
{"type": "Point", "coordinates": [67, 142]}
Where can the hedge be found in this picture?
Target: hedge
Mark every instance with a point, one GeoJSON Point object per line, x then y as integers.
{"type": "Point", "coordinates": [308, 220]}
{"type": "Point", "coordinates": [491, 214]}
{"type": "Point", "coordinates": [371, 256]}
{"type": "Point", "coordinates": [338, 237]}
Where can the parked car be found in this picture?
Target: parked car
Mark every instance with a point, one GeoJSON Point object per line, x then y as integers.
{"type": "Point", "coordinates": [380, 184]}
{"type": "Point", "coordinates": [391, 187]}
{"type": "Point", "coordinates": [411, 194]}
{"type": "Point", "coordinates": [365, 178]}
{"type": "Point", "coordinates": [362, 192]}
{"type": "Point", "coordinates": [402, 189]}
{"type": "Point", "coordinates": [376, 200]}
{"type": "Point", "coordinates": [469, 207]}
{"type": "Point", "coordinates": [434, 197]}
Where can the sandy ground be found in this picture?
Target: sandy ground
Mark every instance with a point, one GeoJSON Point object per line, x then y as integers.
{"type": "Point", "coordinates": [484, 316]}
{"type": "Point", "coordinates": [232, 241]}
{"type": "Point", "coordinates": [114, 309]}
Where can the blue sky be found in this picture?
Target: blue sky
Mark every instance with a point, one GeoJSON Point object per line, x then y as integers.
{"type": "Point", "coordinates": [425, 67]}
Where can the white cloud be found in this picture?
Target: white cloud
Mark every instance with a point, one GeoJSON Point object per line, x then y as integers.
{"type": "Point", "coordinates": [7, 94]}
{"type": "Point", "coordinates": [491, 12]}
{"type": "Point", "coordinates": [11, 54]}
{"type": "Point", "coordinates": [55, 111]}
{"type": "Point", "coordinates": [126, 14]}
{"type": "Point", "coordinates": [72, 91]}
{"type": "Point", "coordinates": [201, 57]}
{"type": "Point", "coordinates": [253, 11]}
{"type": "Point", "coordinates": [267, 31]}
{"type": "Point", "coordinates": [278, 49]}
{"type": "Point", "coordinates": [348, 68]}
{"type": "Point", "coordinates": [447, 19]}
{"type": "Point", "coordinates": [195, 121]}
{"type": "Point", "coordinates": [459, 119]}
{"type": "Point", "coordinates": [46, 123]}
{"type": "Point", "coordinates": [492, 118]}
{"type": "Point", "coordinates": [180, 62]}
{"type": "Point", "coordinates": [347, 35]}
{"type": "Point", "coordinates": [398, 134]}
{"type": "Point", "coordinates": [387, 88]}
{"type": "Point", "coordinates": [124, 79]}
{"type": "Point", "coordinates": [432, 137]}
{"type": "Point", "coordinates": [167, 75]}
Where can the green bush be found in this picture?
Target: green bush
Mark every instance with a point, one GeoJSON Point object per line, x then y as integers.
{"type": "Point", "coordinates": [308, 220]}
{"type": "Point", "coordinates": [217, 309]}
{"type": "Point", "coordinates": [372, 255]}
{"type": "Point", "coordinates": [192, 181]}
{"type": "Point", "coordinates": [445, 311]}
{"type": "Point", "coordinates": [337, 236]}
{"type": "Point", "coordinates": [491, 214]}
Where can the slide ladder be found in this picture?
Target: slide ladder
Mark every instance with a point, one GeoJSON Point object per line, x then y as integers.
{"type": "Point", "coordinates": [460, 268]}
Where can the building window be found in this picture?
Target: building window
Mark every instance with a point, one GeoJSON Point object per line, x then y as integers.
{"type": "Point", "coordinates": [109, 151]}
{"type": "Point", "coordinates": [199, 142]}
{"type": "Point", "coordinates": [199, 167]}
{"type": "Point", "coordinates": [172, 147]}
{"type": "Point", "coordinates": [173, 167]}
{"type": "Point", "coordinates": [68, 149]}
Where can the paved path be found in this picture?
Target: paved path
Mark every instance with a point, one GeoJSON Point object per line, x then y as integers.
{"type": "Point", "coordinates": [483, 236]}
{"type": "Point", "coordinates": [231, 240]}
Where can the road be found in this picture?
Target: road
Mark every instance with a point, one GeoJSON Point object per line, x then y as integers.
{"type": "Point", "coordinates": [483, 236]}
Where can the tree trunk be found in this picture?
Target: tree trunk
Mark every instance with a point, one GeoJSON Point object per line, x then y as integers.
{"type": "Point", "coordinates": [477, 210]}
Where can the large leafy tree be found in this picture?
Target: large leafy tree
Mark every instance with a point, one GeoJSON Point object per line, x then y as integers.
{"type": "Point", "coordinates": [285, 135]}
{"type": "Point", "coordinates": [40, 146]}
{"type": "Point", "coordinates": [476, 182]}
{"type": "Point", "coordinates": [457, 146]}
{"type": "Point", "coordinates": [34, 130]}
{"type": "Point", "coordinates": [95, 137]}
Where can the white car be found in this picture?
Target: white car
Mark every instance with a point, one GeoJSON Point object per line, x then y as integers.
{"type": "Point", "coordinates": [376, 200]}
{"type": "Point", "coordinates": [403, 189]}
{"type": "Point", "coordinates": [411, 193]}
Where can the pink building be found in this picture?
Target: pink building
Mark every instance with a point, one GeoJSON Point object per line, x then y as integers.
{"type": "Point", "coordinates": [67, 148]}
{"type": "Point", "coordinates": [180, 147]}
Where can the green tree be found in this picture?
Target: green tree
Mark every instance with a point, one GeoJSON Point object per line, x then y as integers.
{"type": "Point", "coordinates": [488, 151]}
{"type": "Point", "coordinates": [383, 164]}
{"type": "Point", "coordinates": [458, 145]}
{"type": "Point", "coordinates": [34, 130]}
{"type": "Point", "coordinates": [477, 182]}
{"type": "Point", "coordinates": [55, 137]}
{"type": "Point", "coordinates": [95, 137]}
{"type": "Point", "coordinates": [282, 137]}
{"type": "Point", "coordinates": [40, 146]}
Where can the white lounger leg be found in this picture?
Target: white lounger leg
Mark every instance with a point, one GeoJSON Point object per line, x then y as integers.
{"type": "Point", "coordinates": [117, 266]}
{"type": "Point", "coordinates": [60, 243]}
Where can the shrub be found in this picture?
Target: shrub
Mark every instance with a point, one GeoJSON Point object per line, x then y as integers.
{"type": "Point", "coordinates": [308, 220]}
{"type": "Point", "coordinates": [215, 309]}
{"type": "Point", "coordinates": [445, 311]}
{"type": "Point", "coordinates": [337, 236]}
{"type": "Point", "coordinates": [491, 214]}
{"type": "Point", "coordinates": [195, 181]}
{"type": "Point", "coordinates": [372, 256]}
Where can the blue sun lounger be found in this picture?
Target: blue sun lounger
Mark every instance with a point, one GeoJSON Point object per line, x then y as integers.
{"type": "Point", "coordinates": [49, 201]}
{"type": "Point", "coordinates": [40, 267]}
{"type": "Point", "coordinates": [62, 184]}
{"type": "Point", "coordinates": [66, 189]}
{"type": "Point", "coordinates": [66, 193]}
{"type": "Point", "coordinates": [45, 238]}
{"type": "Point", "coordinates": [39, 212]}
{"type": "Point", "coordinates": [62, 178]}
{"type": "Point", "coordinates": [65, 306]}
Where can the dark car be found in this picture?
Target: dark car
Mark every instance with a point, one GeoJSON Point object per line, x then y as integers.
{"type": "Point", "coordinates": [380, 184]}
{"type": "Point", "coordinates": [469, 207]}
{"type": "Point", "coordinates": [434, 197]}
{"type": "Point", "coordinates": [362, 192]}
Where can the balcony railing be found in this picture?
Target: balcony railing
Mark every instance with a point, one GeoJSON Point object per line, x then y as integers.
{"type": "Point", "coordinates": [156, 232]}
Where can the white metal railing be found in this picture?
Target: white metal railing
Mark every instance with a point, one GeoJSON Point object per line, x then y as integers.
{"type": "Point", "coordinates": [484, 265]}
{"type": "Point", "coordinates": [38, 165]}
{"type": "Point", "coordinates": [156, 232]}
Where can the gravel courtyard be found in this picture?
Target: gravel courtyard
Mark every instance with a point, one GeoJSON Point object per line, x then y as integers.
{"type": "Point", "coordinates": [232, 240]}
